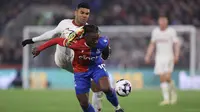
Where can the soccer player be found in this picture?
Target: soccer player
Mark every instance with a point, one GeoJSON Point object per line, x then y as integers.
{"type": "Point", "coordinates": [167, 45]}
{"type": "Point", "coordinates": [64, 56]}
{"type": "Point", "coordinates": [87, 65]}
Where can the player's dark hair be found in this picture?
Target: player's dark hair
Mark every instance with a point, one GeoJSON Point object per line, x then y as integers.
{"type": "Point", "coordinates": [90, 29]}
{"type": "Point", "coordinates": [83, 5]}
{"type": "Point", "coordinates": [162, 16]}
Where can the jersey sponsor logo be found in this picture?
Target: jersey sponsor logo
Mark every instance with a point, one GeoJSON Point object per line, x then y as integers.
{"type": "Point", "coordinates": [162, 40]}
{"type": "Point", "coordinates": [84, 57]}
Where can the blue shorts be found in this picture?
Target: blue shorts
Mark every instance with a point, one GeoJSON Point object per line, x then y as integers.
{"type": "Point", "coordinates": [83, 80]}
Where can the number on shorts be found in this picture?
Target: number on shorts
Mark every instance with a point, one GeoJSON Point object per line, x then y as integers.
{"type": "Point", "coordinates": [102, 66]}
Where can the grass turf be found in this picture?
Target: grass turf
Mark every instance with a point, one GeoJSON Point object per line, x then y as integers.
{"type": "Point", "coordinates": [65, 101]}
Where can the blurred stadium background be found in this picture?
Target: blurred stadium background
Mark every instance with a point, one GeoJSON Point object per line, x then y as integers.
{"type": "Point", "coordinates": [128, 24]}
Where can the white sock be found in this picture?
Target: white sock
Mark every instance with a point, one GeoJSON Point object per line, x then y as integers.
{"type": "Point", "coordinates": [117, 107]}
{"type": "Point", "coordinates": [165, 90]}
{"type": "Point", "coordinates": [172, 87]}
{"type": "Point", "coordinates": [97, 101]}
{"type": "Point", "coordinates": [172, 90]}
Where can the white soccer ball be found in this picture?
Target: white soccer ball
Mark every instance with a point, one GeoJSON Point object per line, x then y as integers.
{"type": "Point", "coordinates": [123, 87]}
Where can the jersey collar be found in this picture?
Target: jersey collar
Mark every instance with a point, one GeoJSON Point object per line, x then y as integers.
{"type": "Point", "coordinates": [74, 23]}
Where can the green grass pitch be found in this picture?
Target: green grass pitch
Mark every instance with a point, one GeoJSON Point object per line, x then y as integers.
{"type": "Point", "coordinates": [65, 101]}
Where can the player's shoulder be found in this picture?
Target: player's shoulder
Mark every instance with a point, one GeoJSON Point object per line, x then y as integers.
{"type": "Point", "coordinates": [66, 21]}
{"type": "Point", "coordinates": [103, 42]}
{"type": "Point", "coordinates": [170, 29]}
{"type": "Point", "coordinates": [155, 30]}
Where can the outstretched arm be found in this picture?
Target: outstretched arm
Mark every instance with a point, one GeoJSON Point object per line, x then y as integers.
{"type": "Point", "coordinates": [45, 36]}
{"type": "Point", "coordinates": [61, 41]}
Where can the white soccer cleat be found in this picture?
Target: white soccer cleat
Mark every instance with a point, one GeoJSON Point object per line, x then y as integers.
{"type": "Point", "coordinates": [165, 102]}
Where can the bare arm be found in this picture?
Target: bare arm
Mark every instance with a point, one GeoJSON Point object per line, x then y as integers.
{"type": "Point", "coordinates": [177, 45]}
{"type": "Point", "coordinates": [176, 49]}
{"type": "Point", "coordinates": [150, 49]}
{"type": "Point", "coordinates": [149, 53]}
{"type": "Point", "coordinates": [106, 53]}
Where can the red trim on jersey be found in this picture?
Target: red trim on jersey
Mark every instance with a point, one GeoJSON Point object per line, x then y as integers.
{"type": "Point", "coordinates": [52, 42]}
{"type": "Point", "coordinates": [76, 23]}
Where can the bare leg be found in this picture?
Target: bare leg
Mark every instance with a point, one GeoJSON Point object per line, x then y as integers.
{"type": "Point", "coordinates": [97, 97]}
{"type": "Point", "coordinates": [84, 102]}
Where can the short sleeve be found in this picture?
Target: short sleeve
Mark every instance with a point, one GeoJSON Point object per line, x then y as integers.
{"type": "Point", "coordinates": [153, 36]}
{"type": "Point", "coordinates": [174, 36]}
{"type": "Point", "coordinates": [103, 42]}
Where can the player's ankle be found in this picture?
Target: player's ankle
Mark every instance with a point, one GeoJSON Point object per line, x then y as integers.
{"type": "Point", "coordinates": [118, 107]}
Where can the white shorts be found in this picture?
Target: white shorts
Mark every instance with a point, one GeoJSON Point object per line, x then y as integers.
{"type": "Point", "coordinates": [64, 59]}
{"type": "Point", "coordinates": [163, 66]}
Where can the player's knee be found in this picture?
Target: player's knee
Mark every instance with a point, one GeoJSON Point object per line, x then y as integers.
{"type": "Point", "coordinates": [106, 89]}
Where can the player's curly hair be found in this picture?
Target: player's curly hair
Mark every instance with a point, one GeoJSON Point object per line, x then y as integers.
{"type": "Point", "coordinates": [90, 29]}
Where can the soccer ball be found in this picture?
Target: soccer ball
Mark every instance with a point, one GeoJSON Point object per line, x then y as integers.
{"type": "Point", "coordinates": [123, 87]}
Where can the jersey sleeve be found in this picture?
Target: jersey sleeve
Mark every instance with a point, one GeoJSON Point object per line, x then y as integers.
{"type": "Point", "coordinates": [51, 42]}
{"type": "Point", "coordinates": [174, 36]}
{"type": "Point", "coordinates": [153, 36]}
{"type": "Point", "coordinates": [49, 34]}
{"type": "Point", "coordinates": [103, 42]}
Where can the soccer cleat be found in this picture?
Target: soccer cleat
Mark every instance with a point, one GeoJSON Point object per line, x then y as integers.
{"type": "Point", "coordinates": [165, 102]}
{"type": "Point", "coordinates": [99, 110]}
{"type": "Point", "coordinates": [120, 110]}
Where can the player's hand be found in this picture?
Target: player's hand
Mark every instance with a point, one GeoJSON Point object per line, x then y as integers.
{"type": "Point", "coordinates": [27, 41]}
{"type": "Point", "coordinates": [35, 52]}
{"type": "Point", "coordinates": [176, 59]}
{"type": "Point", "coordinates": [74, 36]}
{"type": "Point", "coordinates": [147, 59]}
{"type": "Point", "coordinates": [71, 37]}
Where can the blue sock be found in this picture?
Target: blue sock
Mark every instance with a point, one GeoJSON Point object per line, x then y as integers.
{"type": "Point", "coordinates": [89, 109]}
{"type": "Point", "coordinates": [112, 98]}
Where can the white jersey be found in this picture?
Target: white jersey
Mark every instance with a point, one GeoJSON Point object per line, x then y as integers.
{"type": "Point", "coordinates": [63, 55]}
{"type": "Point", "coordinates": [164, 41]}
{"type": "Point", "coordinates": [64, 25]}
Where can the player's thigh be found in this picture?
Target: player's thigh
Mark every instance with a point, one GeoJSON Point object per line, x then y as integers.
{"type": "Point", "coordinates": [101, 78]}
{"type": "Point", "coordinates": [95, 87]}
{"type": "Point", "coordinates": [63, 61]}
{"type": "Point", "coordinates": [159, 68]}
{"type": "Point", "coordinates": [82, 83]}
{"type": "Point", "coordinates": [104, 84]}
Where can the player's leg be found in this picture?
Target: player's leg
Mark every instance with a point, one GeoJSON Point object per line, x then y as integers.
{"type": "Point", "coordinates": [97, 97]}
{"type": "Point", "coordinates": [172, 88]}
{"type": "Point", "coordinates": [63, 60]}
{"type": "Point", "coordinates": [159, 70]}
{"type": "Point", "coordinates": [84, 102]}
{"type": "Point", "coordinates": [101, 77]}
{"type": "Point", "coordinates": [82, 87]}
{"type": "Point", "coordinates": [165, 89]}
